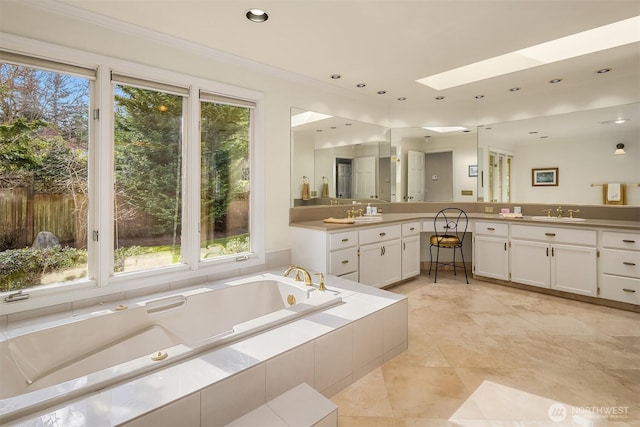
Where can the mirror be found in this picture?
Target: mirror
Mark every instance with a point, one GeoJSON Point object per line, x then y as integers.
{"type": "Point", "coordinates": [580, 145]}
{"type": "Point", "coordinates": [337, 159]}
{"type": "Point", "coordinates": [435, 164]}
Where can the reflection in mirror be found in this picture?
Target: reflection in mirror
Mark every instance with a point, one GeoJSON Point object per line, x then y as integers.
{"type": "Point", "coordinates": [435, 164]}
{"type": "Point", "coordinates": [580, 144]}
{"type": "Point", "coordinates": [342, 159]}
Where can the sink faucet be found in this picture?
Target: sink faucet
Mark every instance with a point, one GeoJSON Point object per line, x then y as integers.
{"type": "Point", "coordinates": [298, 270]}
{"type": "Point", "coordinates": [559, 211]}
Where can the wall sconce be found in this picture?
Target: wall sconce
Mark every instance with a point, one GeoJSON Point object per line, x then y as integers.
{"type": "Point", "coordinates": [619, 149]}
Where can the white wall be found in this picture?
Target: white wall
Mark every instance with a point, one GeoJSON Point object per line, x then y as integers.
{"type": "Point", "coordinates": [53, 23]}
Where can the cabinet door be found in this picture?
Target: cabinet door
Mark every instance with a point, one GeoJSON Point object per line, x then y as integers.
{"type": "Point", "coordinates": [381, 263]}
{"type": "Point", "coordinates": [491, 257]}
{"type": "Point", "coordinates": [573, 269]}
{"type": "Point", "coordinates": [530, 263]}
{"type": "Point", "coordinates": [410, 256]}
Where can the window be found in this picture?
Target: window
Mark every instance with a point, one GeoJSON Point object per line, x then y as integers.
{"type": "Point", "coordinates": [129, 195]}
{"type": "Point", "coordinates": [148, 177]}
{"type": "Point", "coordinates": [44, 152]}
{"type": "Point", "coordinates": [225, 132]}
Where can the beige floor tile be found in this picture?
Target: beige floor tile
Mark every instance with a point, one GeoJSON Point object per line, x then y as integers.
{"type": "Point", "coordinates": [491, 355]}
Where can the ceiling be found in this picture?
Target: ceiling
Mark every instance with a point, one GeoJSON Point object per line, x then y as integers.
{"type": "Point", "coordinates": [388, 45]}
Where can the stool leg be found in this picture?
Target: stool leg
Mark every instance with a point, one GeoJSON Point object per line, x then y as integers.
{"type": "Point", "coordinates": [454, 261]}
{"type": "Point", "coordinates": [430, 258]}
{"type": "Point", "coordinates": [464, 266]}
{"type": "Point", "coordinates": [435, 279]}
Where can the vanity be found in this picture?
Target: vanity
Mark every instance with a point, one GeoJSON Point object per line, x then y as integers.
{"type": "Point", "coordinates": [595, 260]}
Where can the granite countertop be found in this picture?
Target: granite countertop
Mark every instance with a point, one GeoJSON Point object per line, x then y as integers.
{"type": "Point", "coordinates": [391, 218]}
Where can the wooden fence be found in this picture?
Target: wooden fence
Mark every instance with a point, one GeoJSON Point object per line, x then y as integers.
{"type": "Point", "coordinates": [27, 213]}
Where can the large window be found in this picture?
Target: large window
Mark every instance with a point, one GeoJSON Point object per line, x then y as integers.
{"type": "Point", "coordinates": [44, 144]}
{"type": "Point", "coordinates": [107, 179]}
{"type": "Point", "coordinates": [224, 213]}
{"type": "Point", "coordinates": [148, 178]}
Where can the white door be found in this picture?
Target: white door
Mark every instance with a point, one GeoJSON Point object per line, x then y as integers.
{"type": "Point", "coordinates": [491, 257]}
{"type": "Point", "coordinates": [364, 178]}
{"type": "Point", "coordinates": [531, 263]}
{"type": "Point", "coordinates": [410, 256]}
{"type": "Point", "coordinates": [415, 176]}
{"type": "Point", "coordinates": [574, 269]}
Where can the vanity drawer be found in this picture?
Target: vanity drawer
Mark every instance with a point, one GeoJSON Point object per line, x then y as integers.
{"type": "Point", "coordinates": [343, 240]}
{"type": "Point", "coordinates": [379, 234]}
{"type": "Point", "coordinates": [343, 261]}
{"type": "Point", "coordinates": [411, 228]}
{"type": "Point", "coordinates": [492, 229]}
{"type": "Point", "coordinates": [554, 234]}
{"type": "Point", "coordinates": [621, 240]}
{"type": "Point", "coordinates": [623, 263]}
{"type": "Point", "coordinates": [624, 289]}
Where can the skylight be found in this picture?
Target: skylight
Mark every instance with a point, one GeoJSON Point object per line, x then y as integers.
{"type": "Point", "coordinates": [590, 41]}
{"type": "Point", "coordinates": [444, 129]}
{"type": "Point", "coordinates": [307, 117]}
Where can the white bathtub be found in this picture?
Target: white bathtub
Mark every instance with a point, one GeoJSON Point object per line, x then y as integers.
{"type": "Point", "coordinates": [51, 363]}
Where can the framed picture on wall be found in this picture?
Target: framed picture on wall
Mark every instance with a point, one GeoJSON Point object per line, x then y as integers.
{"type": "Point", "coordinates": [473, 170]}
{"type": "Point", "coordinates": [544, 177]}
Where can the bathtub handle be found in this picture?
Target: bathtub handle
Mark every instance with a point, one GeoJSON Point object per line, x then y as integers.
{"type": "Point", "coordinates": [163, 304]}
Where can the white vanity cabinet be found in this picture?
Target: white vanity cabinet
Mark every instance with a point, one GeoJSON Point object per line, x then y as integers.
{"type": "Point", "coordinates": [380, 255]}
{"type": "Point", "coordinates": [554, 257]}
{"type": "Point", "coordinates": [411, 249]}
{"type": "Point", "coordinates": [491, 249]}
{"type": "Point", "coordinates": [620, 266]}
{"type": "Point", "coordinates": [334, 253]}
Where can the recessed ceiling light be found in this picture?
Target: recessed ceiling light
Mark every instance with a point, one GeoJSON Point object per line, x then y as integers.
{"type": "Point", "coordinates": [514, 89]}
{"type": "Point", "coordinates": [333, 127]}
{"type": "Point", "coordinates": [439, 98]}
{"type": "Point", "coordinates": [590, 41]}
{"type": "Point", "coordinates": [533, 132]}
{"type": "Point", "coordinates": [402, 98]}
{"type": "Point", "coordinates": [347, 124]}
{"type": "Point", "coordinates": [360, 85]}
{"type": "Point", "coordinates": [544, 136]}
{"type": "Point", "coordinates": [256, 15]}
{"type": "Point", "coordinates": [335, 76]}
{"type": "Point", "coordinates": [382, 92]}
{"type": "Point", "coordinates": [603, 70]}
{"type": "Point", "coordinates": [555, 80]}
{"type": "Point", "coordinates": [318, 130]}
{"type": "Point", "coordinates": [620, 120]}
{"type": "Point", "coordinates": [479, 96]}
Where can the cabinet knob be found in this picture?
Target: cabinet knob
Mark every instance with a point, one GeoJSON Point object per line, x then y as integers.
{"type": "Point", "coordinates": [346, 261]}
{"type": "Point", "coordinates": [550, 234]}
{"type": "Point", "coordinates": [629, 290]}
{"type": "Point", "coordinates": [383, 234]}
{"type": "Point", "coordinates": [628, 263]}
{"type": "Point", "coordinates": [628, 241]}
{"type": "Point", "coordinates": [491, 229]}
{"type": "Point", "coordinates": [345, 240]}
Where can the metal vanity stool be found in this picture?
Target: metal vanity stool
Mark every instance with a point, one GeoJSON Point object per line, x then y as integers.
{"type": "Point", "coordinates": [450, 225]}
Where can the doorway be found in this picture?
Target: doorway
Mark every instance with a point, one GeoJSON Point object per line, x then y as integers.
{"type": "Point", "coordinates": [343, 178]}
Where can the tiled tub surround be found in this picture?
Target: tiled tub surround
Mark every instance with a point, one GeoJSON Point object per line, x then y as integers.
{"type": "Point", "coordinates": [344, 335]}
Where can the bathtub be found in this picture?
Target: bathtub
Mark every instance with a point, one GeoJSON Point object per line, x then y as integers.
{"type": "Point", "coordinates": [53, 362]}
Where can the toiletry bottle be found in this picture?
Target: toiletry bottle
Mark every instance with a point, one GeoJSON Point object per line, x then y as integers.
{"type": "Point", "coordinates": [368, 209]}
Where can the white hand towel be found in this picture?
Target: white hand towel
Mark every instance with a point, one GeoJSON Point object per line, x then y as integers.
{"type": "Point", "coordinates": [613, 192]}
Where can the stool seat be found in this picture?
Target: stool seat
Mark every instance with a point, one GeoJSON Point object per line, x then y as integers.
{"type": "Point", "coordinates": [444, 240]}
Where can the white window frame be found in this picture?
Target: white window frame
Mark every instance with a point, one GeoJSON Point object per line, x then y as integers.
{"type": "Point", "coordinates": [101, 281]}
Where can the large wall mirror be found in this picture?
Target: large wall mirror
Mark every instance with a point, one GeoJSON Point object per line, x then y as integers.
{"type": "Point", "coordinates": [342, 160]}
{"type": "Point", "coordinates": [575, 151]}
{"type": "Point", "coordinates": [336, 160]}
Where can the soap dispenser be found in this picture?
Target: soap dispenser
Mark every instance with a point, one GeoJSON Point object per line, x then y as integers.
{"type": "Point", "coordinates": [368, 209]}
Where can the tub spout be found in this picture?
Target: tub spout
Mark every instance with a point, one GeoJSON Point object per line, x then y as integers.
{"type": "Point", "coordinates": [298, 270]}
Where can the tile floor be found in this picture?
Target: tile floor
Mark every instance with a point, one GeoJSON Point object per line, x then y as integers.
{"type": "Point", "coordinates": [490, 355]}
